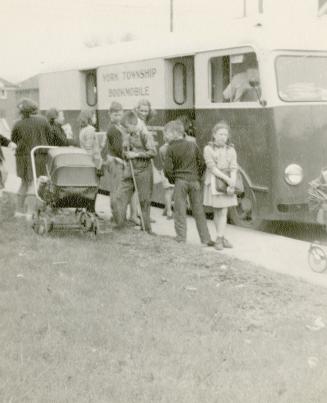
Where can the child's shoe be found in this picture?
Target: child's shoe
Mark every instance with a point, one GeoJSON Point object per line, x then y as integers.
{"type": "Point", "coordinates": [226, 243]}
{"type": "Point", "coordinates": [209, 243]}
{"type": "Point", "coordinates": [219, 243]}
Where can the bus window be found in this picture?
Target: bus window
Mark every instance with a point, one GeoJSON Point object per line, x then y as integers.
{"type": "Point", "coordinates": [235, 78]}
{"type": "Point", "coordinates": [179, 83]}
{"type": "Point", "coordinates": [302, 78]}
{"type": "Point", "coordinates": [91, 89]}
{"type": "Point", "coordinates": [219, 67]}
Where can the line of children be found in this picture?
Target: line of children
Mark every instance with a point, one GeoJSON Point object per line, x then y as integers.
{"type": "Point", "coordinates": [130, 148]}
{"type": "Point", "coordinates": [184, 166]}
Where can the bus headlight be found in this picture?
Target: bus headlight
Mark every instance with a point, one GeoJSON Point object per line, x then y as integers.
{"type": "Point", "coordinates": [293, 174]}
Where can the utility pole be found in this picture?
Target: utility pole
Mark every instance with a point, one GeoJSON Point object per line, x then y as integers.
{"type": "Point", "coordinates": [258, 6]}
{"type": "Point", "coordinates": [171, 15]}
{"type": "Point", "coordinates": [244, 8]}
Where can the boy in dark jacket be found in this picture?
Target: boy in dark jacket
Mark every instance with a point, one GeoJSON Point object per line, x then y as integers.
{"type": "Point", "coordinates": [138, 150]}
{"type": "Point", "coordinates": [114, 155]}
{"type": "Point", "coordinates": [184, 166]}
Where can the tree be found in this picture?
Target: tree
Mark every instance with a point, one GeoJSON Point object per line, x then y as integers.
{"type": "Point", "coordinates": [95, 41]}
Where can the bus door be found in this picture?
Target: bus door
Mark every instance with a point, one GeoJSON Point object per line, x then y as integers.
{"type": "Point", "coordinates": [178, 103]}
{"type": "Point", "coordinates": [228, 87]}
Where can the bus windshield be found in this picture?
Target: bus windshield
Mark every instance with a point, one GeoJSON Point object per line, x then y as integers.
{"type": "Point", "coordinates": [302, 78]}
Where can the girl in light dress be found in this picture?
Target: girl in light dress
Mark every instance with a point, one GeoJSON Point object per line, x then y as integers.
{"type": "Point", "coordinates": [221, 162]}
{"type": "Point", "coordinates": [88, 138]}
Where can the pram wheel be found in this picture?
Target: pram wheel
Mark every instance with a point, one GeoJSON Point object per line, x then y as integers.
{"type": "Point", "coordinates": [35, 221]}
{"type": "Point", "coordinates": [95, 226]}
{"type": "Point", "coordinates": [41, 224]}
{"type": "Point", "coordinates": [317, 259]}
{"type": "Point", "coordinates": [86, 221]}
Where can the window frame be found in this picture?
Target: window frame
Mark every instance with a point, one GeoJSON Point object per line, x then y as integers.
{"type": "Point", "coordinates": [87, 75]}
{"type": "Point", "coordinates": [230, 52]}
{"type": "Point", "coordinates": [177, 64]}
{"type": "Point", "coordinates": [296, 54]}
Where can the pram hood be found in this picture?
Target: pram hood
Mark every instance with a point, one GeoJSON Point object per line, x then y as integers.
{"type": "Point", "coordinates": [71, 166]}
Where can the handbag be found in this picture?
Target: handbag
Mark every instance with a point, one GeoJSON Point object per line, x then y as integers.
{"type": "Point", "coordinates": [221, 185]}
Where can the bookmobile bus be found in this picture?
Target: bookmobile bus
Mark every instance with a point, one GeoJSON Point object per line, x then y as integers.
{"type": "Point", "coordinates": [279, 128]}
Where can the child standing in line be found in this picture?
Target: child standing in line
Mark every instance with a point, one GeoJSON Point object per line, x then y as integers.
{"type": "Point", "coordinates": [139, 149]}
{"type": "Point", "coordinates": [221, 162]}
{"type": "Point", "coordinates": [87, 137]}
{"type": "Point", "coordinates": [168, 187]}
{"type": "Point", "coordinates": [4, 142]}
{"type": "Point", "coordinates": [115, 157]}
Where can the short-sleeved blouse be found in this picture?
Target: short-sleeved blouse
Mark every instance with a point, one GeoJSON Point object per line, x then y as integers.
{"type": "Point", "coordinates": [222, 158]}
{"type": "Point", "coordinates": [89, 141]}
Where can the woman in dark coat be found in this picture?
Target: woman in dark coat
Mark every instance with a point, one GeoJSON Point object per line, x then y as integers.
{"type": "Point", "coordinates": [30, 131]}
{"type": "Point", "coordinates": [58, 136]}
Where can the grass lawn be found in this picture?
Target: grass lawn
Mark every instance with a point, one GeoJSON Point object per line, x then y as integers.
{"type": "Point", "coordinates": [134, 318]}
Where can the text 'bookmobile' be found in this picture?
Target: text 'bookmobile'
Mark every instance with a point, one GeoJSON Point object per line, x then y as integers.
{"type": "Point", "coordinates": [279, 121]}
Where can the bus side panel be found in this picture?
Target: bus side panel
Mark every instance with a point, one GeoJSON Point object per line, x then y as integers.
{"type": "Point", "coordinates": [65, 91]}
{"type": "Point", "coordinates": [301, 139]}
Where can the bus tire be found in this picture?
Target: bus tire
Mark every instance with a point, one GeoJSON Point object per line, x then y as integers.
{"type": "Point", "coordinates": [245, 214]}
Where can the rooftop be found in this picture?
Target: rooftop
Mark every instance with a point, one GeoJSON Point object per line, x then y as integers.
{"type": "Point", "coordinates": [261, 35]}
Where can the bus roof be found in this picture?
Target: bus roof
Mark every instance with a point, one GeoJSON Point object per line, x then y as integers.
{"type": "Point", "coordinates": [261, 36]}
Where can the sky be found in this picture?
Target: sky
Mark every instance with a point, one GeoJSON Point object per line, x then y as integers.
{"type": "Point", "coordinates": [35, 32]}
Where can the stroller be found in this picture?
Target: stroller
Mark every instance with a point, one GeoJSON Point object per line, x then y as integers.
{"type": "Point", "coordinates": [71, 182]}
{"type": "Point", "coordinates": [317, 255]}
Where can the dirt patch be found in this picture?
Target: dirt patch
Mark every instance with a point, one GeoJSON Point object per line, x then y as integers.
{"type": "Point", "coordinates": [136, 318]}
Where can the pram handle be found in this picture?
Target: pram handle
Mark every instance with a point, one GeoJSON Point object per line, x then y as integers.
{"type": "Point", "coordinates": [34, 168]}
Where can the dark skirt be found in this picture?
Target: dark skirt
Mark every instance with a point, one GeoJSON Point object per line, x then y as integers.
{"type": "Point", "coordinates": [24, 166]}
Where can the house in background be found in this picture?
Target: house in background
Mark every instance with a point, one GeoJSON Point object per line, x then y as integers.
{"type": "Point", "coordinates": [10, 94]}
{"type": "Point", "coordinates": [28, 88]}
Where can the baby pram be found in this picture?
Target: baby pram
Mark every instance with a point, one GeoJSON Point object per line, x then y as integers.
{"type": "Point", "coordinates": [317, 256]}
{"type": "Point", "coordinates": [71, 182]}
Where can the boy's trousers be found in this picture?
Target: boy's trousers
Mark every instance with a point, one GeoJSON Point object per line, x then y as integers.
{"type": "Point", "coordinates": [193, 190]}
{"type": "Point", "coordinates": [121, 198]}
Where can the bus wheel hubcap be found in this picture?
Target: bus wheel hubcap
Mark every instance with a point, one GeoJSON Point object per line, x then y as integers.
{"type": "Point", "coordinates": [246, 205]}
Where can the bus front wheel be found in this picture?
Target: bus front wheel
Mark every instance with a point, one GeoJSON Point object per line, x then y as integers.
{"type": "Point", "coordinates": [245, 214]}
